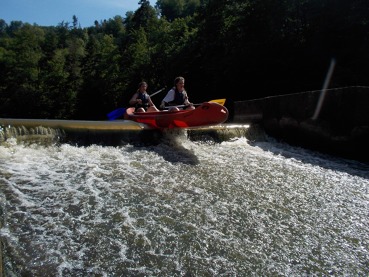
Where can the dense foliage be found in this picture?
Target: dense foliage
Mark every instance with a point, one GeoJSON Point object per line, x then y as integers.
{"type": "Point", "coordinates": [238, 50]}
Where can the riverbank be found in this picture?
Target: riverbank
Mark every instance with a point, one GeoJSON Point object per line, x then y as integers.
{"type": "Point", "coordinates": [334, 121]}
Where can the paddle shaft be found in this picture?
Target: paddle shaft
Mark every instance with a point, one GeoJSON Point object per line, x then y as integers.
{"type": "Point", "coordinates": [180, 106]}
{"type": "Point", "coordinates": [155, 93]}
{"type": "Point", "coordinates": [219, 101]}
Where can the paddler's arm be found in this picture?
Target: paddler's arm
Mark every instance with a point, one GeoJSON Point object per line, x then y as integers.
{"type": "Point", "coordinates": [186, 101]}
{"type": "Point", "coordinates": [151, 104]}
{"type": "Point", "coordinates": [168, 98]}
{"type": "Point", "coordinates": [134, 100]}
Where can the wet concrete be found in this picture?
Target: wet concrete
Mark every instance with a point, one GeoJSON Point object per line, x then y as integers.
{"type": "Point", "coordinates": [340, 127]}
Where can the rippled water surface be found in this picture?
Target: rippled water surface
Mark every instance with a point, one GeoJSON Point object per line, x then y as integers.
{"type": "Point", "coordinates": [182, 207]}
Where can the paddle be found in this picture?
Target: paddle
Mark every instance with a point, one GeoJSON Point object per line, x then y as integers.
{"type": "Point", "coordinates": [218, 101]}
{"type": "Point", "coordinates": [116, 113]}
{"type": "Point", "coordinates": [155, 93]}
{"type": "Point", "coordinates": [120, 112]}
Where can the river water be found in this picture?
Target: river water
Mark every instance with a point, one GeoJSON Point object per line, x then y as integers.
{"type": "Point", "coordinates": [182, 207]}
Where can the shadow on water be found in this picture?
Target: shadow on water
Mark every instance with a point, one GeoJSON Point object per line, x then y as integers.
{"type": "Point", "coordinates": [313, 157]}
{"type": "Point", "coordinates": [169, 145]}
{"type": "Point", "coordinates": [172, 149]}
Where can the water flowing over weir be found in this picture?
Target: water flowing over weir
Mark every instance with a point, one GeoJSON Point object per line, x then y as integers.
{"type": "Point", "coordinates": [207, 202]}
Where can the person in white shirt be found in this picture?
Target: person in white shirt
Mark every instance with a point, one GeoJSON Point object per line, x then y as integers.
{"type": "Point", "coordinates": [177, 96]}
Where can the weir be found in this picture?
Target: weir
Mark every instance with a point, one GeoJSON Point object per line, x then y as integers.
{"type": "Point", "coordinates": [115, 133]}
{"type": "Point", "coordinates": [72, 131]}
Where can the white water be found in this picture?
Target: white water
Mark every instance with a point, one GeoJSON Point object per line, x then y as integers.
{"type": "Point", "coordinates": [182, 207]}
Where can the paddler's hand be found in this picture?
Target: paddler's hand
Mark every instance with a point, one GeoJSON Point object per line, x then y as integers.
{"type": "Point", "coordinates": [187, 103]}
{"type": "Point", "coordinates": [162, 105]}
{"type": "Point", "coordinates": [189, 106]}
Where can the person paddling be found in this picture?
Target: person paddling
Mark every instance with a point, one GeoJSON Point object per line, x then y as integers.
{"type": "Point", "coordinates": [177, 96]}
{"type": "Point", "coordinates": [141, 100]}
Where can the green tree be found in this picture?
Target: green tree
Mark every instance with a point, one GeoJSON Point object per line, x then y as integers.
{"type": "Point", "coordinates": [20, 55]}
{"type": "Point", "coordinates": [103, 86]}
{"type": "Point", "coordinates": [246, 48]}
{"type": "Point", "coordinates": [143, 17]}
{"type": "Point", "coordinates": [55, 84]}
{"type": "Point", "coordinates": [137, 55]}
{"type": "Point", "coordinates": [172, 9]}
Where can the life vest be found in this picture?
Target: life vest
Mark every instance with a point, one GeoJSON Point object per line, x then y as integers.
{"type": "Point", "coordinates": [145, 100]}
{"type": "Point", "coordinates": [179, 98]}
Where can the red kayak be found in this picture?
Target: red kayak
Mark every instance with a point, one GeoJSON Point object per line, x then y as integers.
{"type": "Point", "coordinates": [208, 113]}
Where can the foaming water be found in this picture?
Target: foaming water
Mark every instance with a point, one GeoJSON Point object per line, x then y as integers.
{"type": "Point", "coordinates": [181, 207]}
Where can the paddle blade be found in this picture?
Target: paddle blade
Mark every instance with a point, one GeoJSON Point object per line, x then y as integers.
{"type": "Point", "coordinates": [116, 113]}
{"type": "Point", "coordinates": [219, 101]}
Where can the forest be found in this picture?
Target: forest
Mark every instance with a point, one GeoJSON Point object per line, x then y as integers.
{"type": "Point", "coordinates": [238, 50]}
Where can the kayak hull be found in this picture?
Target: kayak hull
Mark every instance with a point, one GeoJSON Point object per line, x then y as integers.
{"type": "Point", "coordinates": [208, 113]}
